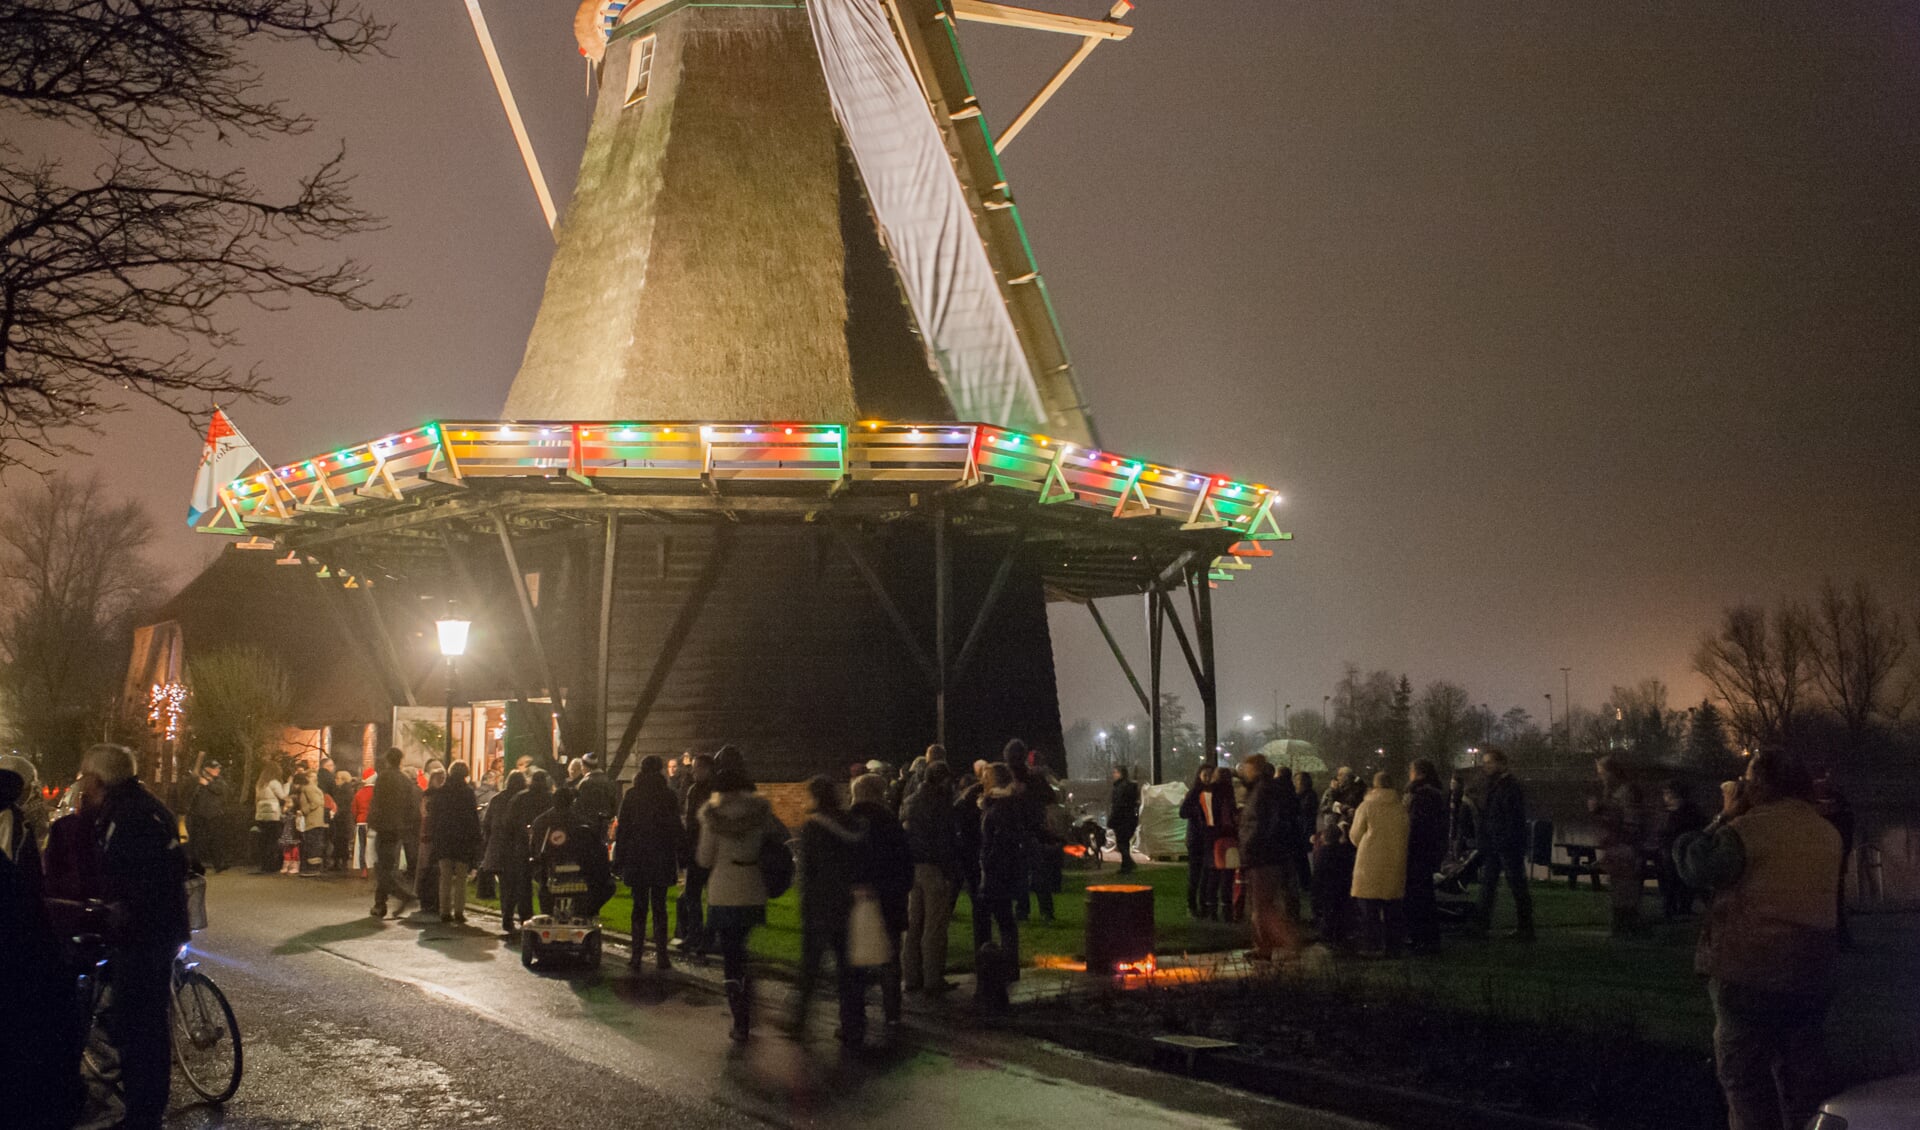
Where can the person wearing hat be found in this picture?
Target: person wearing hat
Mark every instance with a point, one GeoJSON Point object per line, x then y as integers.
{"type": "Point", "coordinates": [595, 798]}
{"type": "Point", "coordinates": [206, 810]}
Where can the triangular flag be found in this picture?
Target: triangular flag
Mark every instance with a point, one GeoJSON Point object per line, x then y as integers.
{"type": "Point", "coordinates": [227, 456]}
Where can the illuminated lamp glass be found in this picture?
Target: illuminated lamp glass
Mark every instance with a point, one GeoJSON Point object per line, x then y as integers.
{"type": "Point", "coordinates": [453, 636]}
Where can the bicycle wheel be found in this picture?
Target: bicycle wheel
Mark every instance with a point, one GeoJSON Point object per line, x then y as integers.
{"type": "Point", "coordinates": [206, 1038]}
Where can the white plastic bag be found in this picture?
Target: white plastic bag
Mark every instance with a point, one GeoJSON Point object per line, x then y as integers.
{"type": "Point", "coordinates": [868, 946]}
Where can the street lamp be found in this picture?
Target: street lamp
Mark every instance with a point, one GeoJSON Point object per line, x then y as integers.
{"type": "Point", "coordinates": [453, 644]}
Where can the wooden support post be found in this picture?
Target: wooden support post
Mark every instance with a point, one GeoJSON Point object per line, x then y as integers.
{"type": "Point", "coordinates": [1210, 684]}
{"type": "Point", "coordinates": [532, 621]}
{"type": "Point", "coordinates": [1156, 601]}
{"type": "Point", "coordinates": [1118, 655]}
{"type": "Point", "coordinates": [987, 605]}
{"type": "Point", "coordinates": [1186, 646]}
{"type": "Point", "coordinates": [470, 592]}
{"type": "Point", "coordinates": [608, 557]}
{"type": "Point", "coordinates": [386, 646]}
{"type": "Point", "coordinates": [670, 647]}
{"type": "Point", "coordinates": [942, 600]}
{"type": "Point", "coordinates": [899, 619]}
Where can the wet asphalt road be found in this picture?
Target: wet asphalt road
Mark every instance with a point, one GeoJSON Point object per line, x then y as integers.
{"type": "Point", "coordinates": [356, 1023]}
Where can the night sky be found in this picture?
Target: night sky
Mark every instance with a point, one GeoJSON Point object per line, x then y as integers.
{"type": "Point", "coordinates": [1560, 326]}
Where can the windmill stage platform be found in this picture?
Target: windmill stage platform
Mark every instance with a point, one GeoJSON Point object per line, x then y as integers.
{"type": "Point", "coordinates": [1112, 524]}
{"type": "Point", "coordinates": [928, 540]}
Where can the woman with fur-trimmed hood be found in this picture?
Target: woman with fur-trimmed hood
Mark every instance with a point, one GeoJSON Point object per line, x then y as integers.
{"type": "Point", "coordinates": [735, 825]}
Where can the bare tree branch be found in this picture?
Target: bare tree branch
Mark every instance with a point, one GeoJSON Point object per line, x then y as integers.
{"type": "Point", "coordinates": [119, 285]}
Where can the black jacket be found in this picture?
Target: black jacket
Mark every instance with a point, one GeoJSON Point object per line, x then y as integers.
{"type": "Point", "coordinates": [504, 837]}
{"type": "Point", "coordinates": [209, 799]}
{"type": "Point", "coordinates": [528, 806]}
{"type": "Point", "coordinates": [1269, 825]}
{"type": "Point", "coordinates": [1006, 845]}
{"type": "Point", "coordinates": [1123, 808]}
{"type": "Point", "coordinates": [1196, 818]}
{"type": "Point", "coordinates": [1503, 816]}
{"type": "Point", "coordinates": [967, 819]}
{"type": "Point", "coordinates": [1426, 829]}
{"type": "Point", "coordinates": [143, 868]}
{"type": "Point", "coordinates": [596, 798]}
{"type": "Point", "coordinates": [932, 830]}
{"type": "Point", "coordinates": [395, 807]}
{"type": "Point", "coordinates": [829, 846]}
{"type": "Point", "coordinates": [453, 823]}
{"type": "Point", "coordinates": [884, 862]}
{"type": "Point", "coordinates": [691, 802]}
{"type": "Point", "coordinates": [646, 848]}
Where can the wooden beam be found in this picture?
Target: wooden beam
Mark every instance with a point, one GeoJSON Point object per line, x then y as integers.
{"type": "Point", "coordinates": [1119, 656]}
{"type": "Point", "coordinates": [608, 559]}
{"type": "Point", "coordinates": [532, 621]}
{"type": "Point", "coordinates": [683, 624]}
{"type": "Point", "coordinates": [1052, 87]}
{"type": "Point", "coordinates": [386, 645]}
{"type": "Point", "coordinates": [879, 590]}
{"type": "Point", "coordinates": [470, 592]}
{"type": "Point", "coordinates": [1156, 647]}
{"type": "Point", "coordinates": [1209, 690]}
{"type": "Point", "coordinates": [942, 608]}
{"type": "Point", "coordinates": [512, 108]}
{"type": "Point", "coordinates": [987, 605]}
{"type": "Point", "coordinates": [1006, 15]}
{"type": "Point", "coordinates": [1186, 648]}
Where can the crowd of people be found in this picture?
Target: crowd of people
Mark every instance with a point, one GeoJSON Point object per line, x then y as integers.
{"type": "Point", "coordinates": [882, 858]}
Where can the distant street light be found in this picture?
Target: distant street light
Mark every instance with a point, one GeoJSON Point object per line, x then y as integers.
{"type": "Point", "coordinates": [453, 644]}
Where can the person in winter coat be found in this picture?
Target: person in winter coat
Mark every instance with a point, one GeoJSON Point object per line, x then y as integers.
{"type": "Point", "coordinates": [689, 924]}
{"type": "Point", "coordinates": [340, 823]}
{"type": "Point", "coordinates": [646, 853]}
{"type": "Point", "coordinates": [516, 877]}
{"type": "Point", "coordinates": [394, 818]}
{"type": "Point", "coordinates": [1332, 888]}
{"type": "Point", "coordinates": [735, 828]}
{"type": "Point", "coordinates": [496, 828]}
{"type": "Point", "coordinates": [1123, 815]}
{"type": "Point", "coordinates": [1309, 812]}
{"type": "Point", "coordinates": [311, 804]}
{"type": "Point", "coordinates": [1617, 811]}
{"type": "Point", "coordinates": [596, 795]}
{"type": "Point", "coordinates": [269, 807]}
{"type": "Point", "coordinates": [426, 868]}
{"type": "Point", "coordinates": [933, 844]}
{"type": "Point", "coordinates": [966, 829]}
{"type": "Point", "coordinates": [206, 817]}
{"type": "Point", "coordinates": [1006, 844]}
{"type": "Point", "coordinates": [828, 844]}
{"type": "Point", "coordinates": [561, 837]}
{"type": "Point", "coordinates": [1043, 810]}
{"type": "Point", "coordinates": [1426, 851]}
{"type": "Point", "coordinates": [1771, 947]}
{"type": "Point", "coordinates": [1194, 811]}
{"type": "Point", "coordinates": [454, 817]}
{"type": "Point", "coordinates": [1219, 898]}
{"type": "Point", "coordinates": [1380, 832]}
{"type": "Point", "coordinates": [1504, 837]}
{"type": "Point", "coordinates": [362, 832]}
{"type": "Point", "coordinates": [1269, 837]}
{"type": "Point", "coordinates": [883, 864]}
{"type": "Point", "coordinates": [1678, 816]}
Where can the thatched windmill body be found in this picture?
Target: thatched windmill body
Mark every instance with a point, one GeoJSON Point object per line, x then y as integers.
{"type": "Point", "coordinates": [795, 457]}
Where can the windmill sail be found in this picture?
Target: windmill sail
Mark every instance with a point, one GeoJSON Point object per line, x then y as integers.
{"type": "Point", "coordinates": [770, 222]}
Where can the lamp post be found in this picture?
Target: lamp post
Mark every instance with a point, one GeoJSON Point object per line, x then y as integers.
{"type": "Point", "coordinates": [453, 644]}
{"type": "Point", "coordinates": [1566, 705]}
{"type": "Point", "coordinates": [1549, 721]}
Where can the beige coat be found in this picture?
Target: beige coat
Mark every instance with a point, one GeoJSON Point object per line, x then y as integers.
{"type": "Point", "coordinates": [1380, 837]}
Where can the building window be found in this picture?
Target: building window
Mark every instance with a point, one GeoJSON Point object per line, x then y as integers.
{"type": "Point", "coordinates": [639, 69]}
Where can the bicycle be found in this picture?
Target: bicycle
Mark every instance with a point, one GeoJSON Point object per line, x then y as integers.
{"type": "Point", "coordinates": [206, 1036]}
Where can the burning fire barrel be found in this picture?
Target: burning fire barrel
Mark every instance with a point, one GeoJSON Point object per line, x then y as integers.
{"type": "Point", "coordinates": [1119, 928]}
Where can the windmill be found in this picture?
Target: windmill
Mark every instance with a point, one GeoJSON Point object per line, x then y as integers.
{"type": "Point", "coordinates": [795, 456]}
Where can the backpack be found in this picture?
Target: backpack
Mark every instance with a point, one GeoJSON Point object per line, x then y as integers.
{"type": "Point", "coordinates": [776, 860]}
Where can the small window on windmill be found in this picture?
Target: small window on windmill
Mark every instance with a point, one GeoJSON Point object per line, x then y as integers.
{"type": "Point", "coordinates": [639, 69]}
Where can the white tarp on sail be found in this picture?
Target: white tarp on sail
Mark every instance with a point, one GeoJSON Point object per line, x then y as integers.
{"type": "Point", "coordinates": [923, 214]}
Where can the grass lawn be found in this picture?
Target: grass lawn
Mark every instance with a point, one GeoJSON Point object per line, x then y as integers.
{"type": "Point", "coordinates": [1063, 937]}
{"type": "Point", "coordinates": [1574, 974]}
